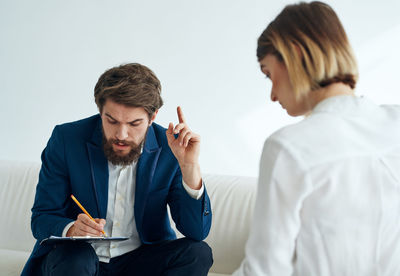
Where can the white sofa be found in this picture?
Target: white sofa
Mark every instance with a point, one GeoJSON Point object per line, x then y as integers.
{"type": "Point", "coordinates": [232, 200]}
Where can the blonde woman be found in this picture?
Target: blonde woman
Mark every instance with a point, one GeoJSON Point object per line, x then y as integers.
{"type": "Point", "coordinates": [328, 200]}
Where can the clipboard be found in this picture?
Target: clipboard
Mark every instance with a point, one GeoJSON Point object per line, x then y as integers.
{"type": "Point", "coordinates": [54, 239]}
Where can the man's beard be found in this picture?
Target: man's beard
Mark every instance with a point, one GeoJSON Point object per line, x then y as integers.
{"type": "Point", "coordinates": [122, 160]}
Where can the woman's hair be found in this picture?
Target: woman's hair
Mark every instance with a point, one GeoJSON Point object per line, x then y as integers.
{"type": "Point", "coordinates": [130, 84]}
{"type": "Point", "coordinates": [311, 41]}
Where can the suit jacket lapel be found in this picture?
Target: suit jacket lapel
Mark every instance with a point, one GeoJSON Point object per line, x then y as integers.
{"type": "Point", "coordinates": [144, 175]}
{"type": "Point", "coordinates": [99, 170]}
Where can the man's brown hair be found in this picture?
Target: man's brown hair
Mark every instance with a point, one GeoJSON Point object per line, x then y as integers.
{"type": "Point", "coordinates": [131, 84]}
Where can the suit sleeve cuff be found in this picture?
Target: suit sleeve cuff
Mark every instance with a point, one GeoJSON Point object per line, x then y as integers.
{"type": "Point", "coordinates": [196, 194]}
{"type": "Point", "coordinates": [66, 228]}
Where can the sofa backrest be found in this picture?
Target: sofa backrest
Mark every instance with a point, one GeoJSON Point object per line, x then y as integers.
{"type": "Point", "coordinates": [232, 202]}
{"type": "Point", "coordinates": [17, 191]}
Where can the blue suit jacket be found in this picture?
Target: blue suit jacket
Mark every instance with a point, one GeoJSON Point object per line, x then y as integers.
{"type": "Point", "coordinates": [73, 162]}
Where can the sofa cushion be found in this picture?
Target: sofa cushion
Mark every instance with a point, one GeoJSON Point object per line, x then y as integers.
{"type": "Point", "coordinates": [12, 261]}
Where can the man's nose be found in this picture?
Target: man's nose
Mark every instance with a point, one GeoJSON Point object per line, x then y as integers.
{"type": "Point", "coordinates": [122, 133]}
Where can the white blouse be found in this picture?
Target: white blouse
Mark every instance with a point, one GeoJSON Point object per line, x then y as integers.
{"type": "Point", "coordinates": [328, 199]}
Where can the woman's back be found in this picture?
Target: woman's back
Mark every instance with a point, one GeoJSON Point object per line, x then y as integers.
{"type": "Point", "coordinates": [348, 151]}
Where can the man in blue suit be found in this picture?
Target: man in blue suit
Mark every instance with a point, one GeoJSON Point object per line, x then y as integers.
{"type": "Point", "coordinates": [124, 169]}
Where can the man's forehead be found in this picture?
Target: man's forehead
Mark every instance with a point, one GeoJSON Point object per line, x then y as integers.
{"type": "Point", "coordinates": [122, 112]}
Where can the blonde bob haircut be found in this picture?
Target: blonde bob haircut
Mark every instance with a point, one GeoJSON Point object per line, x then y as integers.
{"type": "Point", "coordinates": [311, 41]}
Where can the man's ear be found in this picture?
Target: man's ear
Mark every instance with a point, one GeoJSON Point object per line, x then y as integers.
{"type": "Point", "coordinates": [153, 117]}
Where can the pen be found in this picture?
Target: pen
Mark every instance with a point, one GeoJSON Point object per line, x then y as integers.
{"type": "Point", "coordinates": [86, 212]}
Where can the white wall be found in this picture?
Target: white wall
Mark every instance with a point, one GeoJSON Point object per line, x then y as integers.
{"type": "Point", "coordinates": [53, 51]}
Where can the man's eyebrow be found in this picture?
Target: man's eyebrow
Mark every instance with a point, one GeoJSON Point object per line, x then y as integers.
{"type": "Point", "coordinates": [134, 121]}
{"type": "Point", "coordinates": [109, 116]}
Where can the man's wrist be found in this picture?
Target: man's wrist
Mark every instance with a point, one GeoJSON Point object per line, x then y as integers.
{"type": "Point", "coordinates": [191, 175]}
{"type": "Point", "coordinates": [68, 229]}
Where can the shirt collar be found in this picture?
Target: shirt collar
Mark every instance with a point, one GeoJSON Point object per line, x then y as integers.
{"type": "Point", "coordinates": [343, 104]}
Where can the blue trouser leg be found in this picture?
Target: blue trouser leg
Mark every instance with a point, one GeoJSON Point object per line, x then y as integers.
{"type": "Point", "coordinates": [77, 258]}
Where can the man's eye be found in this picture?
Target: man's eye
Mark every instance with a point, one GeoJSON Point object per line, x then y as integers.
{"type": "Point", "coordinates": [112, 122]}
{"type": "Point", "coordinates": [134, 125]}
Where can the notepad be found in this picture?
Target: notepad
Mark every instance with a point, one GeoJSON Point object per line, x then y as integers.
{"type": "Point", "coordinates": [54, 239]}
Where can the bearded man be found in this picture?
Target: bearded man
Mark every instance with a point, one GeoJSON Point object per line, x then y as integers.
{"type": "Point", "coordinates": [124, 169]}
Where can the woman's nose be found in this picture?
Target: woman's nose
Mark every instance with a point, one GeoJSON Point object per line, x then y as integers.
{"type": "Point", "coordinates": [273, 97]}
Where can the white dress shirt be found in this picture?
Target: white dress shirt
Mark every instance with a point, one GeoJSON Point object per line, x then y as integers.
{"type": "Point", "coordinates": [120, 218]}
{"type": "Point", "coordinates": [328, 200]}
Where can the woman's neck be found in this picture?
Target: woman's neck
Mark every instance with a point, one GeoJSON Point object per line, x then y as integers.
{"type": "Point", "coordinates": [334, 89]}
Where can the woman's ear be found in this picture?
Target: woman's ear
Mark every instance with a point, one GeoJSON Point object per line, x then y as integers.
{"type": "Point", "coordinates": [297, 50]}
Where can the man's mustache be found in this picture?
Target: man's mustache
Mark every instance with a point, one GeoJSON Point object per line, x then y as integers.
{"type": "Point", "coordinates": [122, 142]}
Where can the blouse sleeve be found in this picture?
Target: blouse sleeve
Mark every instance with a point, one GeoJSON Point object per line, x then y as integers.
{"type": "Point", "coordinates": [282, 186]}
